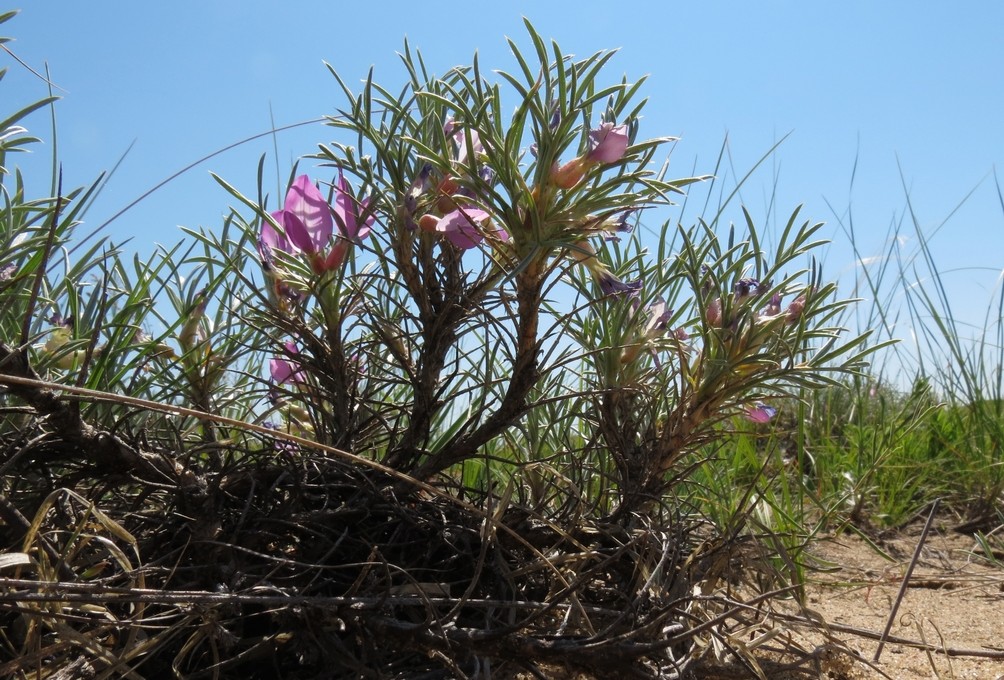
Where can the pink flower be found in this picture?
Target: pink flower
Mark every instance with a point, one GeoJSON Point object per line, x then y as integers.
{"type": "Point", "coordinates": [348, 212]}
{"type": "Point", "coordinates": [286, 370]}
{"type": "Point", "coordinates": [608, 143]}
{"type": "Point", "coordinates": [305, 217]}
{"type": "Point", "coordinates": [760, 413]}
{"type": "Point", "coordinates": [308, 224]}
{"type": "Point", "coordinates": [795, 310]}
{"type": "Point", "coordinates": [464, 227]}
{"type": "Point", "coordinates": [713, 313]}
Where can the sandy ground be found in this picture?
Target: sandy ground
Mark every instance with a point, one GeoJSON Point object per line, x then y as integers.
{"type": "Point", "coordinates": [955, 602]}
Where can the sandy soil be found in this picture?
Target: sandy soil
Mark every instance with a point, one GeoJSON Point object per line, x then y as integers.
{"type": "Point", "coordinates": [955, 602]}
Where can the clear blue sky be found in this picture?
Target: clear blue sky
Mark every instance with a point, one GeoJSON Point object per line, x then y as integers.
{"type": "Point", "coordinates": [885, 85]}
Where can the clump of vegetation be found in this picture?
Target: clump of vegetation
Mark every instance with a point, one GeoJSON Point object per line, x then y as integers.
{"type": "Point", "coordinates": [439, 411]}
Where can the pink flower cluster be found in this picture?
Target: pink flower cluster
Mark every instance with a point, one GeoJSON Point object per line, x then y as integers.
{"type": "Point", "coordinates": [455, 214]}
{"type": "Point", "coordinates": [307, 224]}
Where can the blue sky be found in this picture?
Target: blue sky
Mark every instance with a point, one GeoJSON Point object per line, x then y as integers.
{"type": "Point", "coordinates": [883, 87]}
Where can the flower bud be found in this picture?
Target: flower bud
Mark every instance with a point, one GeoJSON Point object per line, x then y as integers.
{"type": "Point", "coordinates": [797, 307]}
{"type": "Point", "coordinates": [569, 174]}
{"type": "Point", "coordinates": [713, 313]}
{"type": "Point", "coordinates": [428, 222]}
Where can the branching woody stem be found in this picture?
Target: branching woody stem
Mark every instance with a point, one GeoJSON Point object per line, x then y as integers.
{"type": "Point", "coordinates": [525, 373]}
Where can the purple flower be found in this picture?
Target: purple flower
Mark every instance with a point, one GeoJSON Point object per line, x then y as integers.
{"type": "Point", "coordinates": [348, 212]}
{"type": "Point", "coordinates": [773, 307]}
{"type": "Point", "coordinates": [555, 115]}
{"type": "Point", "coordinates": [608, 143]}
{"type": "Point", "coordinates": [7, 271]}
{"type": "Point", "coordinates": [280, 445]}
{"type": "Point", "coordinates": [611, 285]}
{"type": "Point", "coordinates": [419, 186]}
{"type": "Point", "coordinates": [760, 413]}
{"type": "Point", "coordinates": [621, 224]}
{"type": "Point", "coordinates": [659, 315]}
{"type": "Point", "coordinates": [59, 336]}
{"type": "Point", "coordinates": [618, 224]}
{"type": "Point", "coordinates": [486, 174]}
{"type": "Point", "coordinates": [707, 282]}
{"type": "Point", "coordinates": [464, 227]}
{"type": "Point", "coordinates": [305, 217]}
{"type": "Point", "coordinates": [286, 370]}
{"type": "Point", "coordinates": [308, 223]}
{"type": "Point", "coordinates": [57, 319]}
{"type": "Point", "coordinates": [584, 253]}
{"type": "Point", "coordinates": [746, 287]}
{"type": "Point", "coordinates": [268, 240]}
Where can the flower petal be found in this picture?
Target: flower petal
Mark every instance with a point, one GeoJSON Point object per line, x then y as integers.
{"type": "Point", "coordinates": [305, 201]}
{"type": "Point", "coordinates": [476, 148]}
{"type": "Point", "coordinates": [271, 239]}
{"type": "Point", "coordinates": [659, 315]}
{"type": "Point", "coordinates": [335, 256]}
{"type": "Point", "coordinates": [608, 143]}
{"type": "Point", "coordinates": [280, 369]}
{"type": "Point", "coordinates": [611, 285]}
{"type": "Point", "coordinates": [344, 208]}
{"type": "Point", "coordinates": [713, 313]}
{"type": "Point", "coordinates": [347, 210]}
{"type": "Point", "coordinates": [296, 232]}
{"type": "Point", "coordinates": [286, 370]}
{"type": "Point", "coordinates": [760, 413]}
{"type": "Point", "coordinates": [460, 227]}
